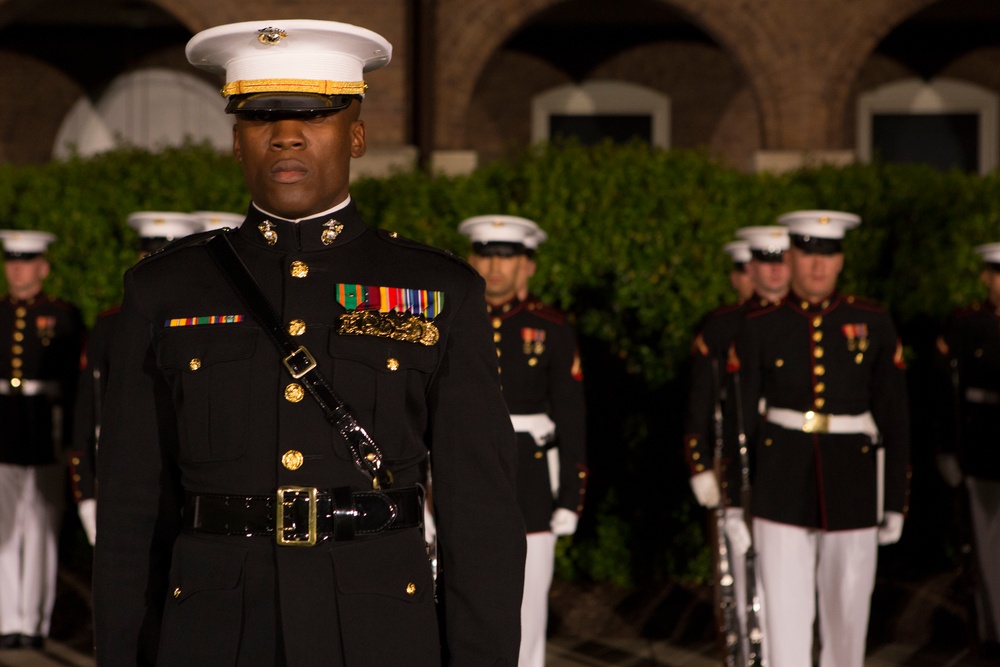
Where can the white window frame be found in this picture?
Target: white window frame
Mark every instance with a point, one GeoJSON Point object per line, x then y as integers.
{"type": "Point", "coordinates": [940, 95]}
{"type": "Point", "coordinates": [600, 98]}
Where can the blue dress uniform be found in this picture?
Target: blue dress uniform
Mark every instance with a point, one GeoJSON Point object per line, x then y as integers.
{"type": "Point", "coordinates": [39, 361]}
{"type": "Point", "coordinates": [830, 452]}
{"type": "Point", "coordinates": [969, 357]}
{"type": "Point", "coordinates": [201, 408]}
{"type": "Point", "coordinates": [155, 230]}
{"type": "Point", "coordinates": [540, 373]}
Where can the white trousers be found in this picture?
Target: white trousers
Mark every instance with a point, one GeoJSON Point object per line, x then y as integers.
{"type": "Point", "coordinates": [538, 567]}
{"type": "Point", "coordinates": [799, 568]}
{"type": "Point", "coordinates": [984, 507]}
{"type": "Point", "coordinates": [30, 506]}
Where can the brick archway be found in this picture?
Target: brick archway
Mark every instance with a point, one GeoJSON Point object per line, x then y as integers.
{"type": "Point", "coordinates": [801, 59]}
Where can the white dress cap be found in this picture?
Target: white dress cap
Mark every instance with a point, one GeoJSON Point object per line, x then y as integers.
{"type": "Point", "coordinates": [25, 243]}
{"type": "Point", "coordinates": [503, 229]}
{"type": "Point", "coordinates": [296, 56]}
{"type": "Point", "coordinates": [771, 239]}
{"type": "Point", "coordinates": [163, 224]}
{"type": "Point", "coordinates": [819, 224]}
{"type": "Point", "coordinates": [990, 252]}
{"type": "Point", "coordinates": [218, 219]}
{"type": "Point", "coordinates": [738, 250]}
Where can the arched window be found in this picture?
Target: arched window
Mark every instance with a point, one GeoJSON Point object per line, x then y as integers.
{"type": "Point", "coordinates": [597, 110]}
{"type": "Point", "coordinates": [942, 122]}
{"type": "Point", "coordinates": [149, 108]}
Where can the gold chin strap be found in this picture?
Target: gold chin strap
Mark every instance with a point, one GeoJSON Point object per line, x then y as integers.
{"type": "Point", "coordinates": [294, 86]}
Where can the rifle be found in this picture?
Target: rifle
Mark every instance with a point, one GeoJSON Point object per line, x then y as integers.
{"type": "Point", "coordinates": [755, 635]}
{"type": "Point", "coordinates": [729, 622]}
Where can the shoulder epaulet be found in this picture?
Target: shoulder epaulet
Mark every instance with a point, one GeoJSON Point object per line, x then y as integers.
{"type": "Point", "coordinates": [199, 238]}
{"type": "Point", "coordinates": [545, 311]}
{"type": "Point", "coordinates": [727, 308]}
{"type": "Point", "coordinates": [764, 310]}
{"type": "Point", "coordinates": [863, 302]}
{"type": "Point", "coordinates": [396, 239]}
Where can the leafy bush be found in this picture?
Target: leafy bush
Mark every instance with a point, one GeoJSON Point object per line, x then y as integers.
{"type": "Point", "coordinates": [634, 257]}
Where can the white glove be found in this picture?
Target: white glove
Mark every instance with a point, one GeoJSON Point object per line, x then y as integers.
{"type": "Point", "coordinates": [736, 531]}
{"type": "Point", "coordinates": [430, 527]}
{"type": "Point", "coordinates": [706, 488]}
{"type": "Point", "coordinates": [87, 510]}
{"type": "Point", "coordinates": [563, 521]}
{"type": "Point", "coordinates": [950, 470]}
{"type": "Point", "coordinates": [891, 529]}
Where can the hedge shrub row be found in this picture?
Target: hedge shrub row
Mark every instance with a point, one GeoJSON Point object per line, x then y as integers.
{"type": "Point", "coordinates": [634, 255]}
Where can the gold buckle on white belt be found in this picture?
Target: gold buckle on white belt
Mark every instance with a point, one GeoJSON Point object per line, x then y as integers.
{"type": "Point", "coordinates": [815, 422]}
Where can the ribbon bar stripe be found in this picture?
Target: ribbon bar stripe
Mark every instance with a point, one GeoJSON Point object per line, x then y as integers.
{"type": "Point", "coordinates": [205, 319]}
{"type": "Point", "coordinates": [390, 299]}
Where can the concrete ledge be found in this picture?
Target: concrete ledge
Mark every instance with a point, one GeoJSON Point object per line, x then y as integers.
{"type": "Point", "coordinates": [781, 161]}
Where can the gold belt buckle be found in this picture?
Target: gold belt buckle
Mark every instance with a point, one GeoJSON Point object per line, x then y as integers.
{"type": "Point", "coordinates": [286, 498]}
{"type": "Point", "coordinates": [816, 422]}
{"type": "Point", "coordinates": [302, 353]}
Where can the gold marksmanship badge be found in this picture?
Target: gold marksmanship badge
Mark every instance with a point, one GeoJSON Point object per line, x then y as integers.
{"type": "Point", "coordinates": [397, 326]}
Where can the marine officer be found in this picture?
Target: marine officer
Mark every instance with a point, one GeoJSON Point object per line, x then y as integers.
{"type": "Point", "coordinates": [39, 360]}
{"type": "Point", "coordinates": [542, 382]}
{"type": "Point", "coordinates": [768, 270]}
{"type": "Point", "coordinates": [273, 394]}
{"type": "Point", "coordinates": [830, 449]}
{"type": "Point", "coordinates": [969, 355]}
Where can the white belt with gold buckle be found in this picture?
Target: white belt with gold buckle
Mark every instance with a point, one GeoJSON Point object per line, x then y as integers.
{"type": "Point", "coordinates": [817, 422]}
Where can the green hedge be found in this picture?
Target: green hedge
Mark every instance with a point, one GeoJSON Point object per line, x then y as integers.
{"type": "Point", "coordinates": [634, 256]}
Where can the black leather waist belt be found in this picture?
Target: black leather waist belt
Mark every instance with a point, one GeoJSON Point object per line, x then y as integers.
{"type": "Point", "coordinates": [303, 516]}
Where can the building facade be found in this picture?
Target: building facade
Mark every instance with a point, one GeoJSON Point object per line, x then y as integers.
{"type": "Point", "coordinates": [761, 84]}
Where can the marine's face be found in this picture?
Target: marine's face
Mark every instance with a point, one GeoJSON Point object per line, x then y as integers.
{"type": "Point", "coordinates": [298, 166]}
{"type": "Point", "coordinates": [770, 279]}
{"type": "Point", "coordinates": [814, 277]}
{"type": "Point", "coordinates": [503, 276]}
{"type": "Point", "coordinates": [25, 276]}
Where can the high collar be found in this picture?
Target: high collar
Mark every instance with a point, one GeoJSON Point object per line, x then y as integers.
{"type": "Point", "coordinates": [342, 226]}
{"type": "Point", "coordinates": [506, 308]}
{"type": "Point", "coordinates": [30, 301]}
{"type": "Point", "coordinates": [799, 304]}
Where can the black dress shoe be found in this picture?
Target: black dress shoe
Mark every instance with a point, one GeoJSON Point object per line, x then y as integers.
{"type": "Point", "coordinates": [10, 641]}
{"type": "Point", "coordinates": [32, 641]}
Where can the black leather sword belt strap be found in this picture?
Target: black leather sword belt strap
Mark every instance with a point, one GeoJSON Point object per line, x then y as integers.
{"type": "Point", "coordinates": [303, 516]}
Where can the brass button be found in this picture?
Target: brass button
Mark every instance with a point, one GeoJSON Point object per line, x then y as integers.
{"type": "Point", "coordinates": [817, 321]}
{"type": "Point", "coordinates": [768, 442]}
{"type": "Point", "coordinates": [392, 364]}
{"type": "Point", "coordinates": [299, 269]}
{"type": "Point", "coordinates": [497, 322]}
{"type": "Point", "coordinates": [194, 364]}
{"type": "Point", "coordinates": [818, 352]}
{"type": "Point", "coordinates": [533, 362]}
{"type": "Point", "coordinates": [779, 362]}
{"type": "Point", "coordinates": [538, 455]}
{"type": "Point", "coordinates": [15, 363]}
{"type": "Point", "coordinates": [292, 459]}
{"type": "Point", "coordinates": [411, 588]}
{"type": "Point", "coordinates": [582, 475]}
{"type": "Point", "coordinates": [817, 336]}
{"type": "Point", "coordinates": [496, 336]}
{"type": "Point", "coordinates": [294, 392]}
{"type": "Point", "coordinates": [820, 387]}
{"type": "Point", "coordinates": [18, 336]}
{"type": "Point", "coordinates": [177, 592]}
{"type": "Point", "coordinates": [19, 324]}
{"type": "Point", "coordinates": [819, 369]}
{"type": "Point", "coordinates": [296, 327]}
{"type": "Point", "coordinates": [20, 311]}
{"type": "Point", "coordinates": [978, 353]}
{"type": "Point", "coordinates": [696, 456]}
{"type": "Point", "coordinates": [76, 478]}
{"type": "Point", "coordinates": [819, 402]}
{"type": "Point", "coordinates": [15, 382]}
{"type": "Point", "coordinates": [699, 468]}
{"type": "Point", "coordinates": [864, 449]}
{"type": "Point", "coordinates": [693, 442]}
{"type": "Point", "coordinates": [17, 349]}
{"type": "Point", "coordinates": [76, 460]}
{"type": "Point", "coordinates": [16, 374]}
